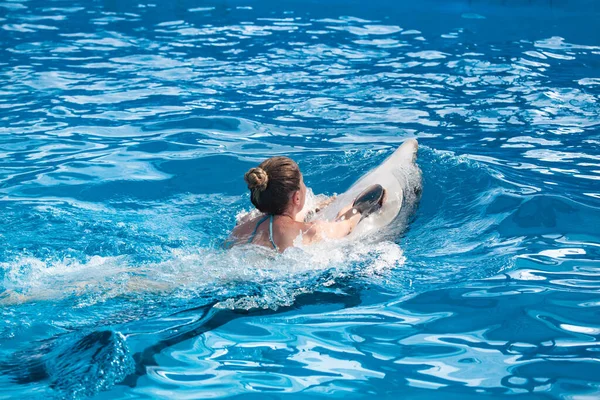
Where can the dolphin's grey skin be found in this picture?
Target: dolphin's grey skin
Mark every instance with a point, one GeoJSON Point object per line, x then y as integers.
{"type": "Point", "coordinates": [400, 177]}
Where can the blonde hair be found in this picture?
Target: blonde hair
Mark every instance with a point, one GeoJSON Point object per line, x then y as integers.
{"type": "Point", "coordinates": [272, 183]}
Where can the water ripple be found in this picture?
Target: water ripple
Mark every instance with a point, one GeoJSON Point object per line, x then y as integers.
{"type": "Point", "coordinates": [125, 128]}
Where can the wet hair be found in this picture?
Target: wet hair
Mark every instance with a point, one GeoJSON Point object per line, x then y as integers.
{"type": "Point", "coordinates": [272, 183]}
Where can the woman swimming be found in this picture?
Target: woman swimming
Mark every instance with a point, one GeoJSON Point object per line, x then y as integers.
{"type": "Point", "coordinates": [277, 190]}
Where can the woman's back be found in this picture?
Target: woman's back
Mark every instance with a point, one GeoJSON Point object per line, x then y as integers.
{"type": "Point", "coordinates": [277, 232]}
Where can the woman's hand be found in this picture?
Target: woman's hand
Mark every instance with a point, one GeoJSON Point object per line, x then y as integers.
{"type": "Point", "coordinates": [307, 215]}
{"type": "Point", "coordinates": [325, 203]}
{"type": "Point", "coordinates": [343, 211]}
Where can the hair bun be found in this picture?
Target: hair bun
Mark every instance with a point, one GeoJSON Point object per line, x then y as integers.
{"type": "Point", "coordinates": [256, 178]}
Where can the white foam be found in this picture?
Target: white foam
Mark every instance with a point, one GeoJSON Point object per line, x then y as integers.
{"type": "Point", "coordinates": [192, 272]}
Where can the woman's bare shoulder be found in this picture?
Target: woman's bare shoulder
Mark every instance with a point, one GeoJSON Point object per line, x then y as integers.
{"type": "Point", "coordinates": [242, 231]}
{"type": "Point", "coordinates": [247, 223]}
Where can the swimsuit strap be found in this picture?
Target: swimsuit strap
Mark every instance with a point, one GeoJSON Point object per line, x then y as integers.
{"type": "Point", "coordinates": [271, 217]}
{"type": "Point", "coordinates": [256, 228]}
{"type": "Point", "coordinates": [271, 232]}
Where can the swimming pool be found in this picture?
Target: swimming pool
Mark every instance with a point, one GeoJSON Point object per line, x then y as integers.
{"type": "Point", "coordinates": [127, 127]}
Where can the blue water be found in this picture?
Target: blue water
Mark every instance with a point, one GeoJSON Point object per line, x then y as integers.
{"type": "Point", "coordinates": [125, 130]}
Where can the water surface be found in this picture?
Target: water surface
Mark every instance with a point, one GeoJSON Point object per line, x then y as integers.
{"type": "Point", "coordinates": [125, 130]}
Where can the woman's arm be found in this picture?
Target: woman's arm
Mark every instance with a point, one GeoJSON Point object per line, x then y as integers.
{"type": "Point", "coordinates": [325, 202]}
{"type": "Point", "coordinates": [330, 229]}
{"type": "Point", "coordinates": [308, 213]}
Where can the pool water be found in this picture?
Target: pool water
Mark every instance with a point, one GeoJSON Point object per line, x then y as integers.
{"type": "Point", "coordinates": [126, 127]}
